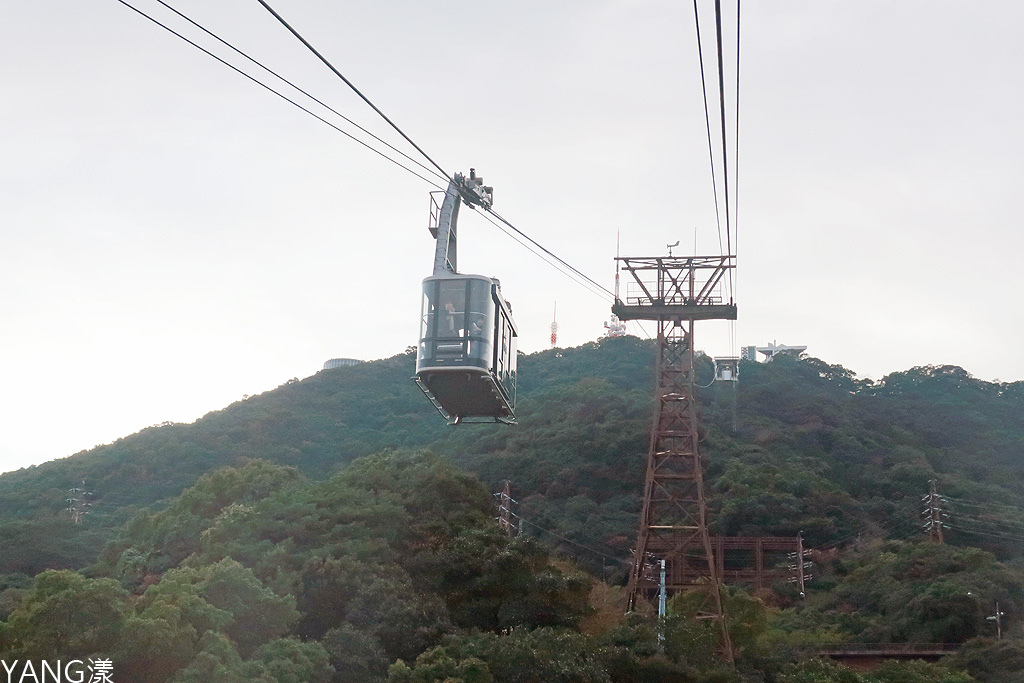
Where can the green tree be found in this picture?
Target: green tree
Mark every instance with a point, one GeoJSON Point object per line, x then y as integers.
{"type": "Point", "coordinates": [357, 656]}
{"type": "Point", "coordinates": [490, 582]}
{"type": "Point", "coordinates": [992, 661]}
{"type": "Point", "coordinates": [289, 660]}
{"type": "Point", "coordinates": [218, 660]}
{"type": "Point", "coordinates": [66, 615]}
{"type": "Point", "coordinates": [167, 631]}
{"type": "Point", "coordinates": [402, 620]}
{"type": "Point", "coordinates": [258, 615]}
{"type": "Point", "coordinates": [437, 666]}
{"type": "Point", "coordinates": [543, 655]}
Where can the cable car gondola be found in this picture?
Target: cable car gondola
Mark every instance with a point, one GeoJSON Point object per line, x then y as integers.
{"type": "Point", "coordinates": [466, 358]}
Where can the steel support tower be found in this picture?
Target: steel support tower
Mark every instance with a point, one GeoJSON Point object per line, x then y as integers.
{"type": "Point", "coordinates": [675, 292]}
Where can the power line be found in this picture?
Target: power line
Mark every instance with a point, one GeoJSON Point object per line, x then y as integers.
{"type": "Point", "coordinates": [989, 520]}
{"type": "Point", "coordinates": [1009, 537]}
{"type": "Point", "coordinates": [895, 521]}
{"type": "Point", "coordinates": [964, 501]}
{"type": "Point", "coordinates": [592, 538]}
{"type": "Point", "coordinates": [351, 85]}
{"type": "Point", "coordinates": [572, 542]}
{"type": "Point", "coordinates": [281, 95]}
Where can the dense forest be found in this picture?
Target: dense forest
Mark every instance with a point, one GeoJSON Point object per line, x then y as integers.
{"type": "Point", "coordinates": [334, 529]}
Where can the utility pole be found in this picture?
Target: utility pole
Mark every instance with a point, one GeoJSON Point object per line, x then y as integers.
{"type": "Point", "coordinates": [675, 292]}
{"type": "Point", "coordinates": [662, 609]}
{"type": "Point", "coordinates": [998, 618]}
{"type": "Point", "coordinates": [933, 513]}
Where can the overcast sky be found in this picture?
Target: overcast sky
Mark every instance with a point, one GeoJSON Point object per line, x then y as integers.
{"type": "Point", "coordinates": [173, 237]}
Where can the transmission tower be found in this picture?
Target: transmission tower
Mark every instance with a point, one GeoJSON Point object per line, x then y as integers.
{"type": "Point", "coordinates": [78, 502]}
{"type": "Point", "coordinates": [801, 566]}
{"type": "Point", "coordinates": [505, 502]}
{"type": "Point", "coordinates": [675, 292]}
{"type": "Point", "coordinates": [554, 327]}
{"type": "Point", "coordinates": [933, 513]}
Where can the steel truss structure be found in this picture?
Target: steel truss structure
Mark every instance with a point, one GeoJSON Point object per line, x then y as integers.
{"type": "Point", "coordinates": [675, 292]}
{"type": "Point", "coordinates": [756, 561]}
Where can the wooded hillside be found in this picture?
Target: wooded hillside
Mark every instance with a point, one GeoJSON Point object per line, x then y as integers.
{"type": "Point", "coordinates": [310, 548]}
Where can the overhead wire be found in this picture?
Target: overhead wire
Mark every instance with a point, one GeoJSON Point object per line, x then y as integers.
{"type": "Point", "coordinates": [986, 505]}
{"type": "Point", "coordinates": [725, 146]}
{"type": "Point", "coordinates": [899, 527]}
{"type": "Point", "coordinates": [579, 277]}
{"type": "Point", "coordinates": [982, 518]}
{"type": "Point", "coordinates": [707, 119]}
{"type": "Point", "coordinates": [301, 90]}
{"type": "Point", "coordinates": [643, 329]}
{"type": "Point", "coordinates": [552, 255]}
{"type": "Point", "coordinates": [352, 86]}
{"type": "Point", "coordinates": [613, 546]}
{"type": "Point", "coordinates": [729, 222]}
{"type": "Point", "coordinates": [734, 282]}
{"type": "Point", "coordinates": [736, 149]}
{"type": "Point", "coordinates": [896, 520]}
{"type": "Point", "coordinates": [279, 94]}
{"type": "Point", "coordinates": [570, 541]}
{"type": "Point", "coordinates": [1008, 537]}
{"type": "Point", "coordinates": [583, 283]}
{"type": "Point", "coordinates": [323, 59]}
{"type": "Point", "coordinates": [983, 507]}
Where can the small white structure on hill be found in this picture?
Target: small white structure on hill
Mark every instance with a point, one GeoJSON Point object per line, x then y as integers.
{"type": "Point", "coordinates": [341, 363]}
{"type": "Point", "coordinates": [773, 349]}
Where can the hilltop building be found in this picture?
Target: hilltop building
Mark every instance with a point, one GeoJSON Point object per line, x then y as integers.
{"type": "Point", "coordinates": [341, 363]}
{"type": "Point", "coordinates": [770, 351]}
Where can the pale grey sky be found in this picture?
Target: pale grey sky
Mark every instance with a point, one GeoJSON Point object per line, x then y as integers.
{"type": "Point", "coordinates": [172, 236]}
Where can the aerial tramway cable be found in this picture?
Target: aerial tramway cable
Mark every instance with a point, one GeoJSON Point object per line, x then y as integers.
{"type": "Point", "coordinates": [351, 85]}
{"type": "Point", "coordinates": [279, 94]}
{"type": "Point", "coordinates": [541, 256]}
{"type": "Point", "coordinates": [567, 269]}
{"type": "Point", "coordinates": [419, 149]}
{"type": "Point", "coordinates": [548, 252]}
{"type": "Point", "coordinates": [734, 279]}
{"type": "Point", "coordinates": [707, 120]}
{"type": "Point", "coordinates": [731, 203]}
{"type": "Point", "coordinates": [721, 100]}
{"type": "Point", "coordinates": [305, 92]}
{"type": "Point", "coordinates": [301, 90]}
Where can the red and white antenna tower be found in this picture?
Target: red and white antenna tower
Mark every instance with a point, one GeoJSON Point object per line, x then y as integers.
{"type": "Point", "coordinates": [554, 327]}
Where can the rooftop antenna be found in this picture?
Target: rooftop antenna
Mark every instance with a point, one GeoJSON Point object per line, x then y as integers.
{"type": "Point", "coordinates": [670, 247]}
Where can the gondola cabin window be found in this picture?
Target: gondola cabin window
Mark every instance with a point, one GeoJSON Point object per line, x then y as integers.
{"type": "Point", "coordinates": [467, 344]}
